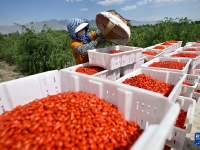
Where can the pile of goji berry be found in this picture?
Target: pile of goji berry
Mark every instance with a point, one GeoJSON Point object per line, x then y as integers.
{"type": "Point", "coordinates": [198, 42]}
{"type": "Point", "coordinates": [150, 53]}
{"type": "Point", "coordinates": [146, 82]}
{"type": "Point", "coordinates": [180, 121]}
{"type": "Point", "coordinates": [159, 47]}
{"type": "Point", "coordinates": [196, 90]}
{"type": "Point", "coordinates": [191, 49]}
{"type": "Point", "coordinates": [168, 64]}
{"type": "Point", "coordinates": [89, 70]}
{"type": "Point", "coordinates": [172, 41]}
{"type": "Point", "coordinates": [167, 148]}
{"type": "Point", "coordinates": [115, 51]}
{"type": "Point", "coordinates": [185, 83]}
{"type": "Point", "coordinates": [72, 120]}
{"type": "Point", "coordinates": [190, 55]}
{"type": "Point", "coordinates": [166, 43]}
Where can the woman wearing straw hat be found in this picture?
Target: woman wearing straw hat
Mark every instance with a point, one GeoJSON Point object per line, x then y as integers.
{"type": "Point", "coordinates": [82, 40]}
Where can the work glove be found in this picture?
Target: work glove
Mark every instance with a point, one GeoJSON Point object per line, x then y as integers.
{"type": "Point", "coordinates": [98, 33]}
{"type": "Point", "coordinates": [101, 41]}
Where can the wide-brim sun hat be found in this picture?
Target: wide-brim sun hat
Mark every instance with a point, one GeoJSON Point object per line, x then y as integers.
{"type": "Point", "coordinates": [81, 26]}
{"type": "Point", "coordinates": [113, 27]}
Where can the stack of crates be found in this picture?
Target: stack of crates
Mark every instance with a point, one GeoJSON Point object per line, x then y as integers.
{"type": "Point", "coordinates": [188, 97]}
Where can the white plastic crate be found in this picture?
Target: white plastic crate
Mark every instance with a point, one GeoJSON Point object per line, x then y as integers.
{"type": "Point", "coordinates": [193, 45]}
{"type": "Point", "coordinates": [179, 134]}
{"type": "Point", "coordinates": [194, 61]}
{"type": "Point", "coordinates": [139, 63]}
{"type": "Point", "coordinates": [196, 95]}
{"type": "Point", "coordinates": [196, 70]}
{"type": "Point", "coordinates": [161, 59]}
{"type": "Point", "coordinates": [106, 74]}
{"type": "Point", "coordinates": [172, 78]}
{"type": "Point", "coordinates": [154, 113]}
{"type": "Point", "coordinates": [150, 57]}
{"type": "Point", "coordinates": [129, 68]}
{"type": "Point", "coordinates": [173, 46]}
{"type": "Point", "coordinates": [169, 48]}
{"type": "Point", "coordinates": [99, 57]}
{"type": "Point", "coordinates": [187, 47]}
{"type": "Point", "coordinates": [187, 91]}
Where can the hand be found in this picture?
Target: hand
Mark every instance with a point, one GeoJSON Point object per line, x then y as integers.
{"type": "Point", "coordinates": [101, 41]}
{"type": "Point", "coordinates": [98, 33]}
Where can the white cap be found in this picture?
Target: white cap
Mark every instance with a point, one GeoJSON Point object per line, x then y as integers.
{"type": "Point", "coordinates": [81, 26]}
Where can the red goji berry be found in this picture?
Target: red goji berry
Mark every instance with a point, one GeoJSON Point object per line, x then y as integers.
{"type": "Point", "coordinates": [115, 51]}
{"type": "Point", "coordinates": [159, 47]}
{"type": "Point", "coordinates": [88, 123]}
{"type": "Point", "coordinates": [146, 82]}
{"type": "Point", "coordinates": [190, 55]}
{"type": "Point", "coordinates": [190, 49]}
{"type": "Point", "coordinates": [150, 53]}
{"type": "Point", "coordinates": [166, 43]}
{"type": "Point", "coordinates": [89, 70]}
{"type": "Point", "coordinates": [168, 64]}
{"type": "Point", "coordinates": [185, 83]}
{"type": "Point", "coordinates": [180, 121]}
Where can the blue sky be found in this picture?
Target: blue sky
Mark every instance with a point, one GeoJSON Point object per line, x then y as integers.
{"type": "Point", "coordinates": [25, 11]}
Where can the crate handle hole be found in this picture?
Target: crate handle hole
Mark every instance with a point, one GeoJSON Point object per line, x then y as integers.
{"type": "Point", "coordinates": [141, 122]}
{"type": "Point", "coordinates": [174, 141]}
{"type": "Point", "coordinates": [175, 133]}
{"type": "Point", "coordinates": [155, 111]}
{"type": "Point", "coordinates": [137, 104]}
{"type": "Point", "coordinates": [54, 79]}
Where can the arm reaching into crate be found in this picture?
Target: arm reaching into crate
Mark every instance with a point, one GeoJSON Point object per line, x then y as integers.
{"type": "Point", "coordinates": [82, 39]}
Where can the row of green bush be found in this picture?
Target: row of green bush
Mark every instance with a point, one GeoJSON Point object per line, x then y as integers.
{"type": "Point", "coordinates": [48, 50]}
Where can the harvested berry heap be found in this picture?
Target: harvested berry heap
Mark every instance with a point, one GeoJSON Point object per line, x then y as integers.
{"type": "Point", "coordinates": [169, 64]}
{"type": "Point", "coordinates": [115, 51]}
{"type": "Point", "coordinates": [150, 53]}
{"type": "Point", "coordinates": [89, 70]}
{"type": "Point", "coordinates": [180, 121]}
{"type": "Point", "coordinates": [190, 49]}
{"type": "Point", "coordinates": [185, 83]}
{"type": "Point", "coordinates": [146, 82]}
{"type": "Point", "coordinates": [166, 43]}
{"type": "Point", "coordinates": [172, 41]}
{"type": "Point", "coordinates": [196, 90]}
{"type": "Point", "coordinates": [72, 120]}
{"type": "Point", "coordinates": [159, 47]}
{"type": "Point", "coordinates": [167, 148]}
{"type": "Point", "coordinates": [190, 55]}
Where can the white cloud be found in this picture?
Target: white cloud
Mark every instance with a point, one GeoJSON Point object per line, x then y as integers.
{"type": "Point", "coordinates": [144, 2]}
{"type": "Point", "coordinates": [111, 2]}
{"type": "Point", "coordinates": [83, 9]}
{"type": "Point", "coordinates": [129, 7]}
{"type": "Point", "coordinates": [162, 2]}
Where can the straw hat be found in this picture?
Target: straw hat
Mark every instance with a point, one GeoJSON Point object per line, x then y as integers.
{"type": "Point", "coordinates": [113, 28]}
{"type": "Point", "coordinates": [81, 26]}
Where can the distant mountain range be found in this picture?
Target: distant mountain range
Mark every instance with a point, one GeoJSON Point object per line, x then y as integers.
{"type": "Point", "coordinates": [58, 25]}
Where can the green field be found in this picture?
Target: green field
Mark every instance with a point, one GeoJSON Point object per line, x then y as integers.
{"type": "Point", "coordinates": [48, 50]}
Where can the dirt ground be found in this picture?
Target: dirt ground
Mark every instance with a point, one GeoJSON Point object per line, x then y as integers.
{"type": "Point", "coordinates": [7, 74]}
